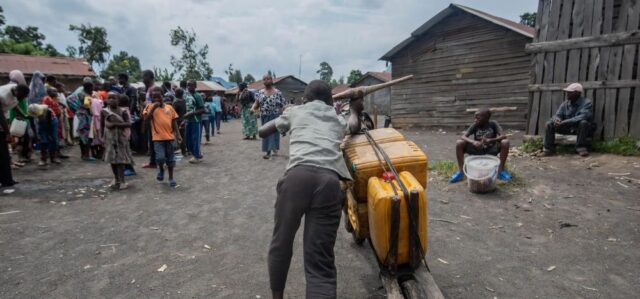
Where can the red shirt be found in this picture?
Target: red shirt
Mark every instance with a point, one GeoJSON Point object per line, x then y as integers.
{"type": "Point", "coordinates": [53, 105]}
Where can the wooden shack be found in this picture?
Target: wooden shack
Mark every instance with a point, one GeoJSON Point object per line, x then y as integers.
{"type": "Point", "coordinates": [594, 42]}
{"type": "Point", "coordinates": [378, 102]}
{"type": "Point", "coordinates": [461, 58]}
{"type": "Point", "coordinates": [291, 87]}
{"type": "Point", "coordinates": [69, 71]}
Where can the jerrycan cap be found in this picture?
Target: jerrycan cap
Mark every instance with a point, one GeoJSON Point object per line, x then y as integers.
{"type": "Point", "coordinates": [388, 176]}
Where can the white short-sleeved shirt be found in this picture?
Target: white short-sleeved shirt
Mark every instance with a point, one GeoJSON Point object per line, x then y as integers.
{"type": "Point", "coordinates": [316, 132]}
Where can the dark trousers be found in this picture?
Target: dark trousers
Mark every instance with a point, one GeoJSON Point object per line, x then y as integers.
{"type": "Point", "coordinates": [152, 153]}
{"type": "Point", "coordinates": [583, 130]}
{"type": "Point", "coordinates": [314, 193]}
{"type": "Point", "coordinates": [183, 144]}
{"type": "Point", "coordinates": [6, 179]}
{"type": "Point", "coordinates": [208, 126]}
{"type": "Point", "coordinates": [218, 119]}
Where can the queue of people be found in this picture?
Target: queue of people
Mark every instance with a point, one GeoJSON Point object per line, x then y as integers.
{"type": "Point", "coordinates": [108, 120]}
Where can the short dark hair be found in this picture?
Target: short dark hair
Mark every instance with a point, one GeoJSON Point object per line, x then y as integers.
{"type": "Point", "coordinates": [124, 76]}
{"type": "Point", "coordinates": [183, 83]}
{"type": "Point", "coordinates": [22, 88]}
{"type": "Point", "coordinates": [124, 100]}
{"type": "Point", "coordinates": [318, 90]}
{"type": "Point", "coordinates": [148, 73]}
{"type": "Point", "coordinates": [166, 84]}
{"type": "Point", "coordinates": [51, 79]}
{"type": "Point", "coordinates": [485, 110]}
{"type": "Point", "coordinates": [179, 93]}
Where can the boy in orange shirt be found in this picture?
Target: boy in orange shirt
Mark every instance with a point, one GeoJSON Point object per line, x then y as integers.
{"type": "Point", "coordinates": [164, 133]}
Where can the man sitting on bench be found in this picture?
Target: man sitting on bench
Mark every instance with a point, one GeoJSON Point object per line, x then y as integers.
{"type": "Point", "coordinates": [574, 117]}
{"type": "Point", "coordinates": [484, 137]}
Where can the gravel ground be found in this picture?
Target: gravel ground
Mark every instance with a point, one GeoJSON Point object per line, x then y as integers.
{"type": "Point", "coordinates": [569, 230]}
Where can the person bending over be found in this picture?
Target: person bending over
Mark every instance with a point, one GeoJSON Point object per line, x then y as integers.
{"type": "Point", "coordinates": [311, 188]}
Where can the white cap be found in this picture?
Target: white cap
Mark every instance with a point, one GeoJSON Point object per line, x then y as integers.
{"type": "Point", "coordinates": [574, 87]}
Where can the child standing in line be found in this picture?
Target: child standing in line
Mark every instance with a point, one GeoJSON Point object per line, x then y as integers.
{"type": "Point", "coordinates": [124, 104]}
{"type": "Point", "coordinates": [47, 132]}
{"type": "Point", "coordinates": [164, 133]}
{"type": "Point", "coordinates": [117, 150]}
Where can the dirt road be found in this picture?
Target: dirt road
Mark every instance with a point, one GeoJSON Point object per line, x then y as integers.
{"type": "Point", "coordinates": [64, 235]}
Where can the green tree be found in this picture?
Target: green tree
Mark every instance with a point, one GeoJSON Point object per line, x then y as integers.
{"type": "Point", "coordinates": [2, 19]}
{"type": "Point", "coordinates": [249, 79]}
{"type": "Point", "coordinates": [123, 63]}
{"type": "Point", "coordinates": [192, 64]}
{"type": "Point", "coordinates": [94, 46]}
{"type": "Point", "coordinates": [325, 72]}
{"type": "Point", "coordinates": [29, 34]}
{"type": "Point", "coordinates": [354, 76]}
{"type": "Point", "coordinates": [26, 41]}
{"type": "Point", "coordinates": [272, 74]}
{"type": "Point", "coordinates": [162, 74]}
{"type": "Point", "coordinates": [233, 74]}
{"type": "Point", "coordinates": [341, 80]}
{"type": "Point", "coordinates": [71, 51]}
{"type": "Point", "coordinates": [333, 83]}
{"type": "Point", "coordinates": [50, 50]}
{"type": "Point", "coordinates": [528, 18]}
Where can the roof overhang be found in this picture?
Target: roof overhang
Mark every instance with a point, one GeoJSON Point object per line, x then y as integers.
{"type": "Point", "coordinates": [452, 8]}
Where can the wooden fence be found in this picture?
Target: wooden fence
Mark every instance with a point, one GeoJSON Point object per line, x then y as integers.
{"type": "Point", "coordinates": [594, 42]}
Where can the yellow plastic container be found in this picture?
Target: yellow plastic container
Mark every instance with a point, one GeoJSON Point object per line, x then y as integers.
{"type": "Point", "coordinates": [379, 213]}
{"type": "Point", "coordinates": [364, 164]}
{"type": "Point", "coordinates": [379, 135]}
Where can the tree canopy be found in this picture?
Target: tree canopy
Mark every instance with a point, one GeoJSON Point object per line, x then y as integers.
{"type": "Point", "coordinates": [234, 75]}
{"type": "Point", "coordinates": [26, 41]}
{"type": "Point", "coordinates": [354, 76]}
{"type": "Point", "coordinates": [325, 72]}
{"type": "Point", "coordinates": [162, 74]}
{"type": "Point", "coordinates": [192, 63]}
{"type": "Point", "coordinates": [94, 46]}
{"type": "Point", "coordinates": [528, 18]}
{"type": "Point", "coordinates": [122, 62]}
{"type": "Point", "coordinates": [249, 79]}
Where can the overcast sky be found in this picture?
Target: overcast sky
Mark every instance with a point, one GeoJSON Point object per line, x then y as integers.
{"type": "Point", "coordinates": [253, 35]}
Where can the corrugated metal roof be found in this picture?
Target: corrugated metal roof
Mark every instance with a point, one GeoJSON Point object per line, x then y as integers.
{"type": "Point", "coordinates": [511, 25]}
{"type": "Point", "coordinates": [61, 66]}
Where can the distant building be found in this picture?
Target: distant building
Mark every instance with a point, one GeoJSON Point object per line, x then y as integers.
{"type": "Point", "coordinates": [69, 71]}
{"type": "Point", "coordinates": [381, 99]}
{"type": "Point", "coordinates": [224, 83]}
{"type": "Point", "coordinates": [291, 87]}
{"type": "Point", "coordinates": [461, 58]}
{"type": "Point", "coordinates": [340, 88]}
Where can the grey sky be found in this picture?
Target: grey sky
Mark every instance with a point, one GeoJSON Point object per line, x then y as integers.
{"type": "Point", "coordinates": [253, 35]}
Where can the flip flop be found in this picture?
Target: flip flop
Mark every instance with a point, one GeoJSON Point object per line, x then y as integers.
{"type": "Point", "coordinates": [456, 177]}
{"type": "Point", "coordinates": [504, 176]}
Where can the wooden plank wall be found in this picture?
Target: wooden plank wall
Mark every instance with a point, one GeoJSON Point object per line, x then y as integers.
{"type": "Point", "coordinates": [594, 42]}
{"type": "Point", "coordinates": [463, 62]}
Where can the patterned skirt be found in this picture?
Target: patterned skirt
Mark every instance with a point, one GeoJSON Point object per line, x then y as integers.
{"type": "Point", "coordinates": [249, 122]}
{"type": "Point", "coordinates": [271, 142]}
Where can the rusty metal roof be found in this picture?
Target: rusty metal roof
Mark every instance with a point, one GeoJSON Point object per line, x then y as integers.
{"type": "Point", "coordinates": [340, 88]}
{"type": "Point", "coordinates": [61, 66]}
{"type": "Point", "coordinates": [511, 25]}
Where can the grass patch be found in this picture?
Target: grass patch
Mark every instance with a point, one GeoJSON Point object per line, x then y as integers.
{"type": "Point", "coordinates": [624, 146]}
{"type": "Point", "coordinates": [444, 168]}
{"type": "Point", "coordinates": [532, 146]}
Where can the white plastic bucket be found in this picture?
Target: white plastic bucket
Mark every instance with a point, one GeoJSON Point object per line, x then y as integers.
{"type": "Point", "coordinates": [481, 173]}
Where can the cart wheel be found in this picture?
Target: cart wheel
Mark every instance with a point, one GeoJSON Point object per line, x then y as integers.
{"type": "Point", "coordinates": [347, 223]}
{"type": "Point", "coordinates": [358, 240]}
{"type": "Point", "coordinates": [412, 290]}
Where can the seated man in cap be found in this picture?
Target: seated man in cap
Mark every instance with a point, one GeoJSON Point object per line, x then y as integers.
{"type": "Point", "coordinates": [575, 117]}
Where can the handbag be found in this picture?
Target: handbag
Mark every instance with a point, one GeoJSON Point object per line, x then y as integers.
{"type": "Point", "coordinates": [18, 127]}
